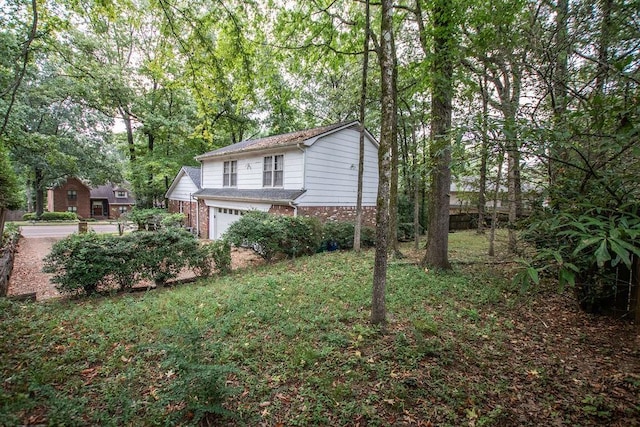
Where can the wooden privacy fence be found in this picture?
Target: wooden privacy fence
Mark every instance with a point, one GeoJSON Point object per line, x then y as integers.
{"type": "Point", "coordinates": [7, 255]}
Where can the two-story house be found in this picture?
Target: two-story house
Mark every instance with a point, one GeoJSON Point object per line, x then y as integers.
{"type": "Point", "coordinates": [107, 201]}
{"type": "Point", "coordinates": [313, 172]}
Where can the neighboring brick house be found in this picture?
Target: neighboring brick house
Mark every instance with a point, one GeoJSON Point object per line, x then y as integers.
{"type": "Point", "coordinates": [71, 196]}
{"type": "Point", "coordinates": [107, 201]}
{"type": "Point", "coordinates": [180, 194]}
{"type": "Point", "coordinates": [313, 172]}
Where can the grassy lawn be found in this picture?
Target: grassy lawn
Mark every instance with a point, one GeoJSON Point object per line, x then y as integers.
{"type": "Point", "coordinates": [290, 344]}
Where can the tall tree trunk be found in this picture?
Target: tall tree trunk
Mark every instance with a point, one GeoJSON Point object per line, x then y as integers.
{"type": "Point", "coordinates": [558, 154]}
{"type": "Point", "coordinates": [416, 191]}
{"type": "Point", "coordinates": [357, 232]}
{"type": "Point", "coordinates": [440, 150]}
{"type": "Point", "coordinates": [393, 198]}
{"type": "Point", "coordinates": [387, 131]}
{"type": "Point", "coordinates": [494, 214]}
{"type": "Point", "coordinates": [126, 117]}
{"type": "Point", "coordinates": [38, 187]}
{"type": "Point", "coordinates": [484, 154]}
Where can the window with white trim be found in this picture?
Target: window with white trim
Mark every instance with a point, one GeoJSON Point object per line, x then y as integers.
{"type": "Point", "coordinates": [72, 195]}
{"type": "Point", "coordinates": [230, 174]}
{"type": "Point", "coordinates": [121, 194]}
{"type": "Point", "coordinates": [72, 209]}
{"type": "Point", "coordinates": [273, 171]}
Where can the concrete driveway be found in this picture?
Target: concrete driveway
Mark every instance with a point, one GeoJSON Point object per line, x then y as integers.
{"type": "Point", "coordinates": [62, 230]}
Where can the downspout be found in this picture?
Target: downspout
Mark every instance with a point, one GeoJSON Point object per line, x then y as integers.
{"type": "Point", "coordinates": [295, 208]}
{"type": "Point", "coordinates": [197, 217]}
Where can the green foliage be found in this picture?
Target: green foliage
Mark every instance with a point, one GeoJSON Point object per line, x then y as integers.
{"type": "Point", "coordinates": [154, 218]}
{"type": "Point", "coordinates": [199, 386]}
{"type": "Point", "coordinates": [162, 254]}
{"type": "Point", "coordinates": [79, 263]}
{"type": "Point", "coordinates": [218, 251]}
{"type": "Point", "coordinates": [283, 343]}
{"type": "Point", "coordinates": [50, 216]}
{"type": "Point", "coordinates": [584, 249]}
{"type": "Point", "coordinates": [58, 216]}
{"type": "Point", "coordinates": [10, 233]}
{"type": "Point", "coordinates": [339, 235]}
{"type": "Point", "coordinates": [86, 263]}
{"type": "Point", "coordinates": [270, 234]}
{"type": "Point", "coordinates": [10, 194]}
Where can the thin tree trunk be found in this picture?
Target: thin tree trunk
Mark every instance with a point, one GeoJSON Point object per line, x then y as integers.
{"type": "Point", "coordinates": [126, 117]}
{"type": "Point", "coordinates": [494, 214]}
{"type": "Point", "coordinates": [484, 154]}
{"type": "Point", "coordinates": [416, 192]}
{"type": "Point", "coordinates": [38, 185]}
{"type": "Point", "coordinates": [357, 232]}
{"type": "Point", "coordinates": [393, 199]}
{"type": "Point", "coordinates": [387, 131]}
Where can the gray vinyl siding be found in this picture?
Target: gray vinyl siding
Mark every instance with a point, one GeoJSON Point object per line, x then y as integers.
{"type": "Point", "coordinates": [250, 171]}
{"type": "Point", "coordinates": [183, 189]}
{"type": "Point", "coordinates": [332, 171]}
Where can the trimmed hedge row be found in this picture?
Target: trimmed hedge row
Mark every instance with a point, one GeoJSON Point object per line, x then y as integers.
{"type": "Point", "coordinates": [50, 216]}
{"type": "Point", "coordinates": [269, 235]}
{"type": "Point", "coordinates": [90, 262]}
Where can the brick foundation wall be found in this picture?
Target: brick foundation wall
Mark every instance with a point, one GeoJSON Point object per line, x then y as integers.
{"type": "Point", "coordinates": [188, 209]}
{"type": "Point", "coordinates": [281, 210]}
{"type": "Point", "coordinates": [204, 220]}
{"type": "Point", "coordinates": [339, 213]}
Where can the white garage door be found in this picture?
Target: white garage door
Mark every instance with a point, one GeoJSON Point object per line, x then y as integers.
{"type": "Point", "coordinates": [220, 219]}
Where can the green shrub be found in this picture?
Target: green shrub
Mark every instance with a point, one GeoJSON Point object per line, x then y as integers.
{"type": "Point", "coordinates": [217, 252]}
{"type": "Point", "coordinates": [339, 235]}
{"type": "Point", "coordinates": [86, 263]}
{"type": "Point", "coordinates": [79, 263]}
{"type": "Point", "coordinates": [154, 219]}
{"type": "Point", "coordinates": [50, 216]}
{"type": "Point", "coordinates": [269, 235]}
{"type": "Point", "coordinates": [58, 216]}
{"type": "Point", "coordinates": [583, 250]}
{"type": "Point", "coordinates": [162, 254]}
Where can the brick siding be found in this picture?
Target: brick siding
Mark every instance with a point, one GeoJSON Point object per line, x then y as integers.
{"type": "Point", "coordinates": [58, 200]}
{"type": "Point", "coordinates": [339, 213]}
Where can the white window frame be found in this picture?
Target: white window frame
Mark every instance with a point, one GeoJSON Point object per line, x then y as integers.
{"type": "Point", "coordinates": [230, 173]}
{"type": "Point", "coordinates": [121, 194]}
{"type": "Point", "coordinates": [73, 209]}
{"type": "Point", "coordinates": [273, 171]}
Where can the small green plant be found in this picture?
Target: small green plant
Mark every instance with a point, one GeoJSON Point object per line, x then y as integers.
{"type": "Point", "coordinates": [199, 383]}
{"type": "Point", "coordinates": [339, 235]}
{"type": "Point", "coordinates": [582, 250]}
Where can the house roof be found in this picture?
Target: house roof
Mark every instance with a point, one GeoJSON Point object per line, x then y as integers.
{"type": "Point", "coordinates": [306, 137]}
{"type": "Point", "coordinates": [194, 174]}
{"type": "Point", "coordinates": [272, 195]}
{"type": "Point", "coordinates": [108, 192]}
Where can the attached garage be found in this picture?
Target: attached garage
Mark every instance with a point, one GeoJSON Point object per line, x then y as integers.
{"type": "Point", "coordinates": [220, 219]}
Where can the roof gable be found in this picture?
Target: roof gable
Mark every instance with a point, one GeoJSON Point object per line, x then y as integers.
{"type": "Point", "coordinates": [306, 137]}
{"type": "Point", "coordinates": [107, 192]}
